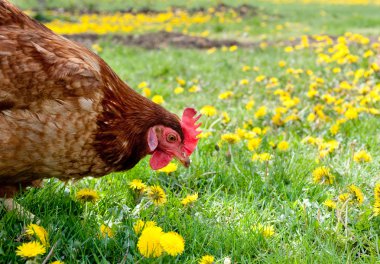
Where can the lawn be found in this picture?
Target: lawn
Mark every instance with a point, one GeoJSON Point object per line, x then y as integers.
{"type": "Point", "coordinates": [287, 169]}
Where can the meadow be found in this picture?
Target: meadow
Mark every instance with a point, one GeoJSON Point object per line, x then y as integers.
{"type": "Point", "coordinates": [287, 169]}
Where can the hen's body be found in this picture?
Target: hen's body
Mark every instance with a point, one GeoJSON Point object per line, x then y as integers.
{"type": "Point", "coordinates": [63, 112]}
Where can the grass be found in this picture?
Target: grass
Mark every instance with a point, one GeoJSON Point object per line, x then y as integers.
{"type": "Point", "coordinates": [235, 193]}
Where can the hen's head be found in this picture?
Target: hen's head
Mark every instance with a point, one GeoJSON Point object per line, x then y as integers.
{"type": "Point", "coordinates": [165, 143]}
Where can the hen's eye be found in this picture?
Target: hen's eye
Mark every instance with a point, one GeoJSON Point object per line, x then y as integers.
{"type": "Point", "coordinates": [171, 138]}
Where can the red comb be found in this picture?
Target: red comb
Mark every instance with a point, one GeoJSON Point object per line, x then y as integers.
{"type": "Point", "coordinates": [189, 129]}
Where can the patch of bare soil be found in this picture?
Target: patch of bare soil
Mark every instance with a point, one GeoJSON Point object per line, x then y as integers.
{"type": "Point", "coordinates": [156, 40]}
{"type": "Point", "coordinates": [242, 10]}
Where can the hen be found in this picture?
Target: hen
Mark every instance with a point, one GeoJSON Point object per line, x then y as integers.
{"type": "Point", "coordinates": [64, 113]}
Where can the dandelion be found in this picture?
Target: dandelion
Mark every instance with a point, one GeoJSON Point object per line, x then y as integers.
{"type": "Point", "coordinates": [39, 232]}
{"type": "Point", "coordinates": [244, 82]}
{"type": "Point", "coordinates": [149, 242]}
{"type": "Point", "coordinates": [264, 230]}
{"type": "Point", "coordinates": [139, 226]}
{"type": "Point", "coordinates": [282, 63]}
{"type": "Point", "coordinates": [230, 138]}
{"type": "Point", "coordinates": [344, 197]}
{"type": "Point", "coordinates": [207, 259]}
{"type": "Point", "coordinates": [245, 68]}
{"type": "Point", "coordinates": [260, 78]}
{"type": "Point", "coordinates": [254, 144]}
{"type": "Point", "coordinates": [351, 113]}
{"type": "Point", "coordinates": [189, 199]}
{"type": "Point", "coordinates": [323, 175]}
{"type": "Point", "coordinates": [233, 48]}
{"type": "Point", "coordinates": [106, 231]}
{"type": "Point", "coordinates": [97, 48]}
{"type": "Point", "coordinates": [208, 110]}
{"type": "Point", "coordinates": [172, 243]}
{"type": "Point", "coordinates": [376, 208]}
{"type": "Point", "coordinates": [377, 191]}
{"type": "Point", "coordinates": [171, 167]}
{"type": "Point", "coordinates": [263, 157]}
{"type": "Point", "coordinates": [157, 195]}
{"type": "Point", "coordinates": [180, 81]}
{"type": "Point", "coordinates": [226, 95]}
{"type": "Point", "coordinates": [178, 90]}
{"type": "Point", "coordinates": [57, 262]}
{"type": "Point", "coordinates": [226, 118]}
{"type": "Point", "coordinates": [204, 134]}
{"type": "Point", "coordinates": [146, 92]}
{"type": "Point", "coordinates": [30, 250]}
{"type": "Point", "coordinates": [194, 89]}
{"type": "Point", "coordinates": [158, 99]}
{"type": "Point", "coordinates": [288, 49]}
{"type": "Point", "coordinates": [330, 204]}
{"type": "Point", "coordinates": [250, 105]}
{"type": "Point", "coordinates": [87, 195]}
{"type": "Point", "coordinates": [142, 85]}
{"type": "Point", "coordinates": [262, 111]}
{"type": "Point", "coordinates": [283, 146]}
{"type": "Point", "coordinates": [137, 185]}
{"type": "Point", "coordinates": [357, 194]}
{"type": "Point", "coordinates": [362, 156]}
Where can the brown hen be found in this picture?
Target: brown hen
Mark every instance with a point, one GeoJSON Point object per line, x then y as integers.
{"type": "Point", "coordinates": [64, 113]}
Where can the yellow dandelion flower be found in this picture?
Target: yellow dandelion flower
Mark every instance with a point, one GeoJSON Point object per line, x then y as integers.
{"type": "Point", "coordinates": [230, 138]}
{"type": "Point", "coordinates": [334, 129]}
{"type": "Point", "coordinates": [157, 195]}
{"type": "Point", "coordinates": [207, 259]}
{"type": "Point", "coordinates": [351, 113]}
{"type": "Point", "coordinates": [250, 105]}
{"type": "Point", "coordinates": [30, 250]}
{"type": "Point", "coordinates": [226, 95]}
{"type": "Point", "coordinates": [39, 232]}
{"type": "Point", "coordinates": [146, 92]}
{"type": "Point", "coordinates": [172, 243]}
{"type": "Point", "coordinates": [357, 194]}
{"type": "Point", "coordinates": [261, 112]}
{"type": "Point", "coordinates": [283, 146]}
{"type": "Point", "coordinates": [106, 231]}
{"type": "Point", "coordinates": [260, 78]}
{"type": "Point", "coordinates": [179, 90]}
{"type": "Point", "coordinates": [142, 85]}
{"type": "Point", "coordinates": [243, 82]}
{"type": "Point", "coordinates": [149, 242]}
{"type": "Point", "coordinates": [204, 134]}
{"type": "Point", "coordinates": [57, 262]}
{"type": "Point", "coordinates": [264, 230]}
{"type": "Point", "coordinates": [158, 99]}
{"type": "Point", "coordinates": [171, 167]}
{"type": "Point", "coordinates": [87, 195]}
{"type": "Point", "coordinates": [282, 63]}
{"type": "Point", "coordinates": [211, 50]}
{"type": "Point", "coordinates": [344, 197]}
{"type": "Point", "coordinates": [263, 157]}
{"type": "Point", "coordinates": [323, 175]}
{"type": "Point", "coordinates": [233, 48]}
{"type": "Point", "coordinates": [139, 226]}
{"type": "Point", "coordinates": [137, 185]}
{"type": "Point", "coordinates": [194, 89]}
{"type": "Point", "coordinates": [245, 68]}
{"type": "Point", "coordinates": [96, 48]}
{"type": "Point", "coordinates": [330, 204]}
{"type": "Point", "coordinates": [208, 110]}
{"type": "Point", "coordinates": [189, 199]}
{"type": "Point", "coordinates": [180, 81]}
{"type": "Point", "coordinates": [226, 118]}
{"type": "Point", "coordinates": [288, 49]}
{"type": "Point", "coordinates": [376, 208]}
{"type": "Point", "coordinates": [377, 191]}
{"type": "Point", "coordinates": [362, 156]}
{"type": "Point", "coordinates": [254, 144]}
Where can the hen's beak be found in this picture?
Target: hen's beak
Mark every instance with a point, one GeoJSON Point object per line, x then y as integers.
{"type": "Point", "coordinates": [184, 159]}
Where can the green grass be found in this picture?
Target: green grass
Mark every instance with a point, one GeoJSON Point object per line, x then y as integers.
{"type": "Point", "coordinates": [233, 195]}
